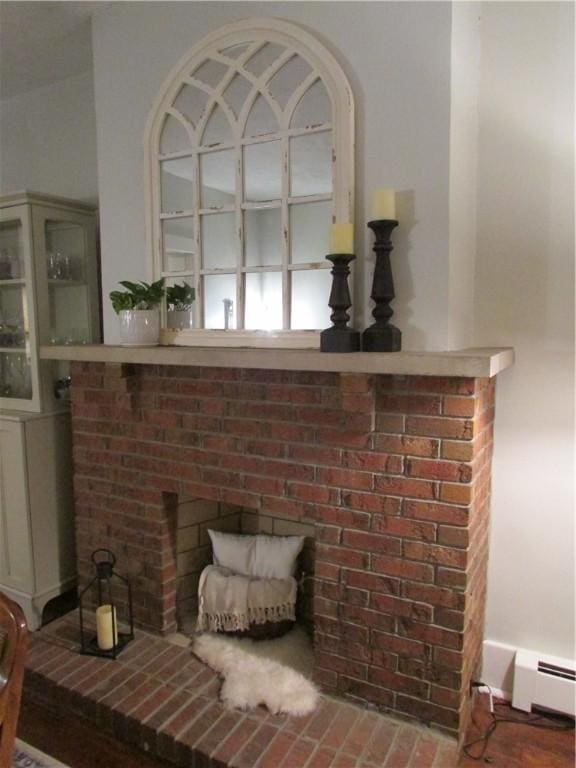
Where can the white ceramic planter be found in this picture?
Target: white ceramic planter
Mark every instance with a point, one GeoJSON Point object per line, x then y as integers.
{"type": "Point", "coordinates": [179, 319]}
{"type": "Point", "coordinates": [139, 327]}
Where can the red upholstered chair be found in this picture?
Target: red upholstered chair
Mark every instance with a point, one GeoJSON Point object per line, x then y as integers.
{"type": "Point", "coordinates": [13, 641]}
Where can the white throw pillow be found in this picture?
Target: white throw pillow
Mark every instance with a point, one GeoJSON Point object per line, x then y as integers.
{"type": "Point", "coordinates": [260, 556]}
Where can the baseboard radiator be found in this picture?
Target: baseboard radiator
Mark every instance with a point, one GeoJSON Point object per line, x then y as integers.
{"type": "Point", "coordinates": [544, 681]}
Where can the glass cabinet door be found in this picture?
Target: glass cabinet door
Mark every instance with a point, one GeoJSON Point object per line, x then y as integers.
{"type": "Point", "coordinates": [66, 266]}
{"type": "Point", "coordinates": [16, 326]}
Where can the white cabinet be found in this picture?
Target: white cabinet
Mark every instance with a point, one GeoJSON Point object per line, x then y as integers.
{"type": "Point", "coordinates": [49, 294]}
{"type": "Point", "coordinates": [37, 561]}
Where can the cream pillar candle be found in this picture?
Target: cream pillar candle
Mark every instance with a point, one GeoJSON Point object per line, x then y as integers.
{"type": "Point", "coordinates": [342, 238]}
{"type": "Point", "coordinates": [106, 629]}
{"type": "Point", "coordinates": [383, 204]}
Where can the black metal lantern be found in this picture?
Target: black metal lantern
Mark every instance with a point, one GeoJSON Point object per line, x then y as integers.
{"type": "Point", "coordinates": [101, 595]}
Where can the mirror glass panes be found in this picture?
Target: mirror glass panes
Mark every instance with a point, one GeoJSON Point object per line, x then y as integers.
{"type": "Point", "coordinates": [310, 294]}
{"type": "Point", "coordinates": [217, 129]}
{"type": "Point", "coordinates": [179, 244]}
{"type": "Point", "coordinates": [314, 108]}
{"type": "Point", "coordinates": [218, 179]}
{"type": "Point", "coordinates": [174, 137]}
{"type": "Point", "coordinates": [191, 102]}
{"type": "Point", "coordinates": [288, 78]}
{"type": "Point", "coordinates": [263, 237]}
{"type": "Point", "coordinates": [261, 119]}
{"type": "Point", "coordinates": [67, 283]}
{"type": "Point", "coordinates": [176, 185]}
{"type": "Point", "coordinates": [263, 301]}
{"type": "Point", "coordinates": [263, 171]}
{"type": "Point", "coordinates": [252, 122]}
{"type": "Point", "coordinates": [264, 58]}
{"type": "Point", "coordinates": [234, 51]}
{"type": "Point", "coordinates": [11, 261]}
{"type": "Point", "coordinates": [236, 93]}
{"type": "Point", "coordinates": [310, 232]}
{"type": "Point", "coordinates": [311, 164]}
{"type": "Point", "coordinates": [219, 241]}
{"type": "Point", "coordinates": [220, 301]}
{"type": "Point", "coordinates": [210, 72]}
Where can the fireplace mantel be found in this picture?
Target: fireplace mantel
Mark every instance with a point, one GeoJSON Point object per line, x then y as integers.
{"type": "Point", "coordinates": [473, 363]}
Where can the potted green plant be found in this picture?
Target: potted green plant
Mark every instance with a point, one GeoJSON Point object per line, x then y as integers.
{"type": "Point", "coordinates": [179, 300]}
{"type": "Point", "coordinates": [138, 308]}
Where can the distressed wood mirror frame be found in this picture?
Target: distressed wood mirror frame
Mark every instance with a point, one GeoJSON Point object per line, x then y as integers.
{"type": "Point", "coordinates": [250, 157]}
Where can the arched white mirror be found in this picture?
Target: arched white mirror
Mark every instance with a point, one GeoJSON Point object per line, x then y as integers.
{"type": "Point", "coordinates": [250, 159]}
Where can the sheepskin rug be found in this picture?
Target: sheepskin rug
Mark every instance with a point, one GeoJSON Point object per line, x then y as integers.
{"type": "Point", "coordinates": [251, 680]}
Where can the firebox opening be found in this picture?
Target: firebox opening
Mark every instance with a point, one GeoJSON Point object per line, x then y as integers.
{"type": "Point", "coordinates": [194, 552]}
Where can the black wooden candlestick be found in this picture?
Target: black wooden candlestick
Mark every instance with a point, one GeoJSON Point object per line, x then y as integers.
{"type": "Point", "coordinates": [340, 338]}
{"type": "Point", "coordinates": [382, 336]}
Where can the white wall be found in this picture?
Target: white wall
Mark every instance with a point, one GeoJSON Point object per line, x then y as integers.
{"type": "Point", "coordinates": [48, 140]}
{"type": "Point", "coordinates": [465, 77]}
{"type": "Point", "coordinates": [525, 298]}
{"type": "Point", "coordinates": [397, 57]}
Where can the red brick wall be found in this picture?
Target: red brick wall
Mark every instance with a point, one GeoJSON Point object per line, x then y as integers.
{"type": "Point", "coordinates": [394, 472]}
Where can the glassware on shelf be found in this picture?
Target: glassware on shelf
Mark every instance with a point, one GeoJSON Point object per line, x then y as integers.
{"type": "Point", "coordinates": [59, 265]}
{"type": "Point", "coordinates": [15, 379]}
{"type": "Point", "coordinates": [9, 264]}
{"type": "Point", "coordinates": [12, 335]}
{"type": "Point", "coordinates": [4, 264]}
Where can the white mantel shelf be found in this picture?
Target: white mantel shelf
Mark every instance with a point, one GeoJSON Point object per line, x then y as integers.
{"type": "Point", "coordinates": [473, 363]}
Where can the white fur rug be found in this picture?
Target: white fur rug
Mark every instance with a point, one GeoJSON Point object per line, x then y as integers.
{"type": "Point", "coordinates": [251, 680]}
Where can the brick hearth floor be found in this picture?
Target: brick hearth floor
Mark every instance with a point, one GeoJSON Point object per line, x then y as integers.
{"type": "Point", "coordinates": [159, 697]}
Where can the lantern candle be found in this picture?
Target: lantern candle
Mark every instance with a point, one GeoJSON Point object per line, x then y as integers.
{"type": "Point", "coordinates": [342, 238]}
{"type": "Point", "coordinates": [106, 627]}
{"type": "Point", "coordinates": [384, 205]}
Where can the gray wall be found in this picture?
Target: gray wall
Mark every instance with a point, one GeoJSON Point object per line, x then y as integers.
{"type": "Point", "coordinates": [48, 140]}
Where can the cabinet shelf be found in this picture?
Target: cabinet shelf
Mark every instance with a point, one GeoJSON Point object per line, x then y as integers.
{"type": "Point", "coordinates": [13, 282]}
{"type": "Point", "coordinates": [14, 351]}
{"type": "Point", "coordinates": [65, 283]}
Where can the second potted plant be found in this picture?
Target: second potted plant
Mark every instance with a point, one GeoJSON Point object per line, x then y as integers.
{"type": "Point", "coordinates": [179, 300]}
{"type": "Point", "coordinates": [138, 308]}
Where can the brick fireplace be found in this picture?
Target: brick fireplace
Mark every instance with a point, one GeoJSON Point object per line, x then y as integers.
{"type": "Point", "coordinates": [391, 474]}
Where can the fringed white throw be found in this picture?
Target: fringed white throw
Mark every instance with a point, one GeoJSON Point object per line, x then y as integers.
{"type": "Point", "coordinates": [230, 602]}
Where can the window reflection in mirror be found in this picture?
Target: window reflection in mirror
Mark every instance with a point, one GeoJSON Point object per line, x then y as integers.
{"type": "Point", "coordinates": [263, 171]}
{"type": "Point", "coordinates": [176, 185]}
{"type": "Point", "coordinates": [218, 179]}
{"type": "Point", "coordinates": [263, 237]}
{"type": "Point", "coordinates": [179, 244]}
{"type": "Point", "coordinates": [311, 164]}
{"type": "Point", "coordinates": [263, 301]}
{"type": "Point", "coordinates": [219, 242]}
{"type": "Point", "coordinates": [220, 301]}
{"type": "Point", "coordinates": [310, 231]}
{"type": "Point", "coordinates": [308, 308]}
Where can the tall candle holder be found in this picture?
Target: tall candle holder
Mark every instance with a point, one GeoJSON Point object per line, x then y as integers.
{"type": "Point", "coordinates": [382, 336]}
{"type": "Point", "coordinates": [340, 338]}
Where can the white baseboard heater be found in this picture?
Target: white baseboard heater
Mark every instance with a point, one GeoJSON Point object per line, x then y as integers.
{"type": "Point", "coordinates": [544, 681]}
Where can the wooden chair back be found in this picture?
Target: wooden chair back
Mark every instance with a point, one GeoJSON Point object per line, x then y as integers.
{"type": "Point", "coordinates": [13, 642]}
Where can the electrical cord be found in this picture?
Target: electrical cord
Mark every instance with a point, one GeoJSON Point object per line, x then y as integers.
{"type": "Point", "coordinates": [535, 721]}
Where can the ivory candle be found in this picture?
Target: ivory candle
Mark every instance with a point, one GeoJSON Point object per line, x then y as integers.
{"type": "Point", "coordinates": [342, 238]}
{"type": "Point", "coordinates": [106, 628]}
{"type": "Point", "coordinates": [383, 204]}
